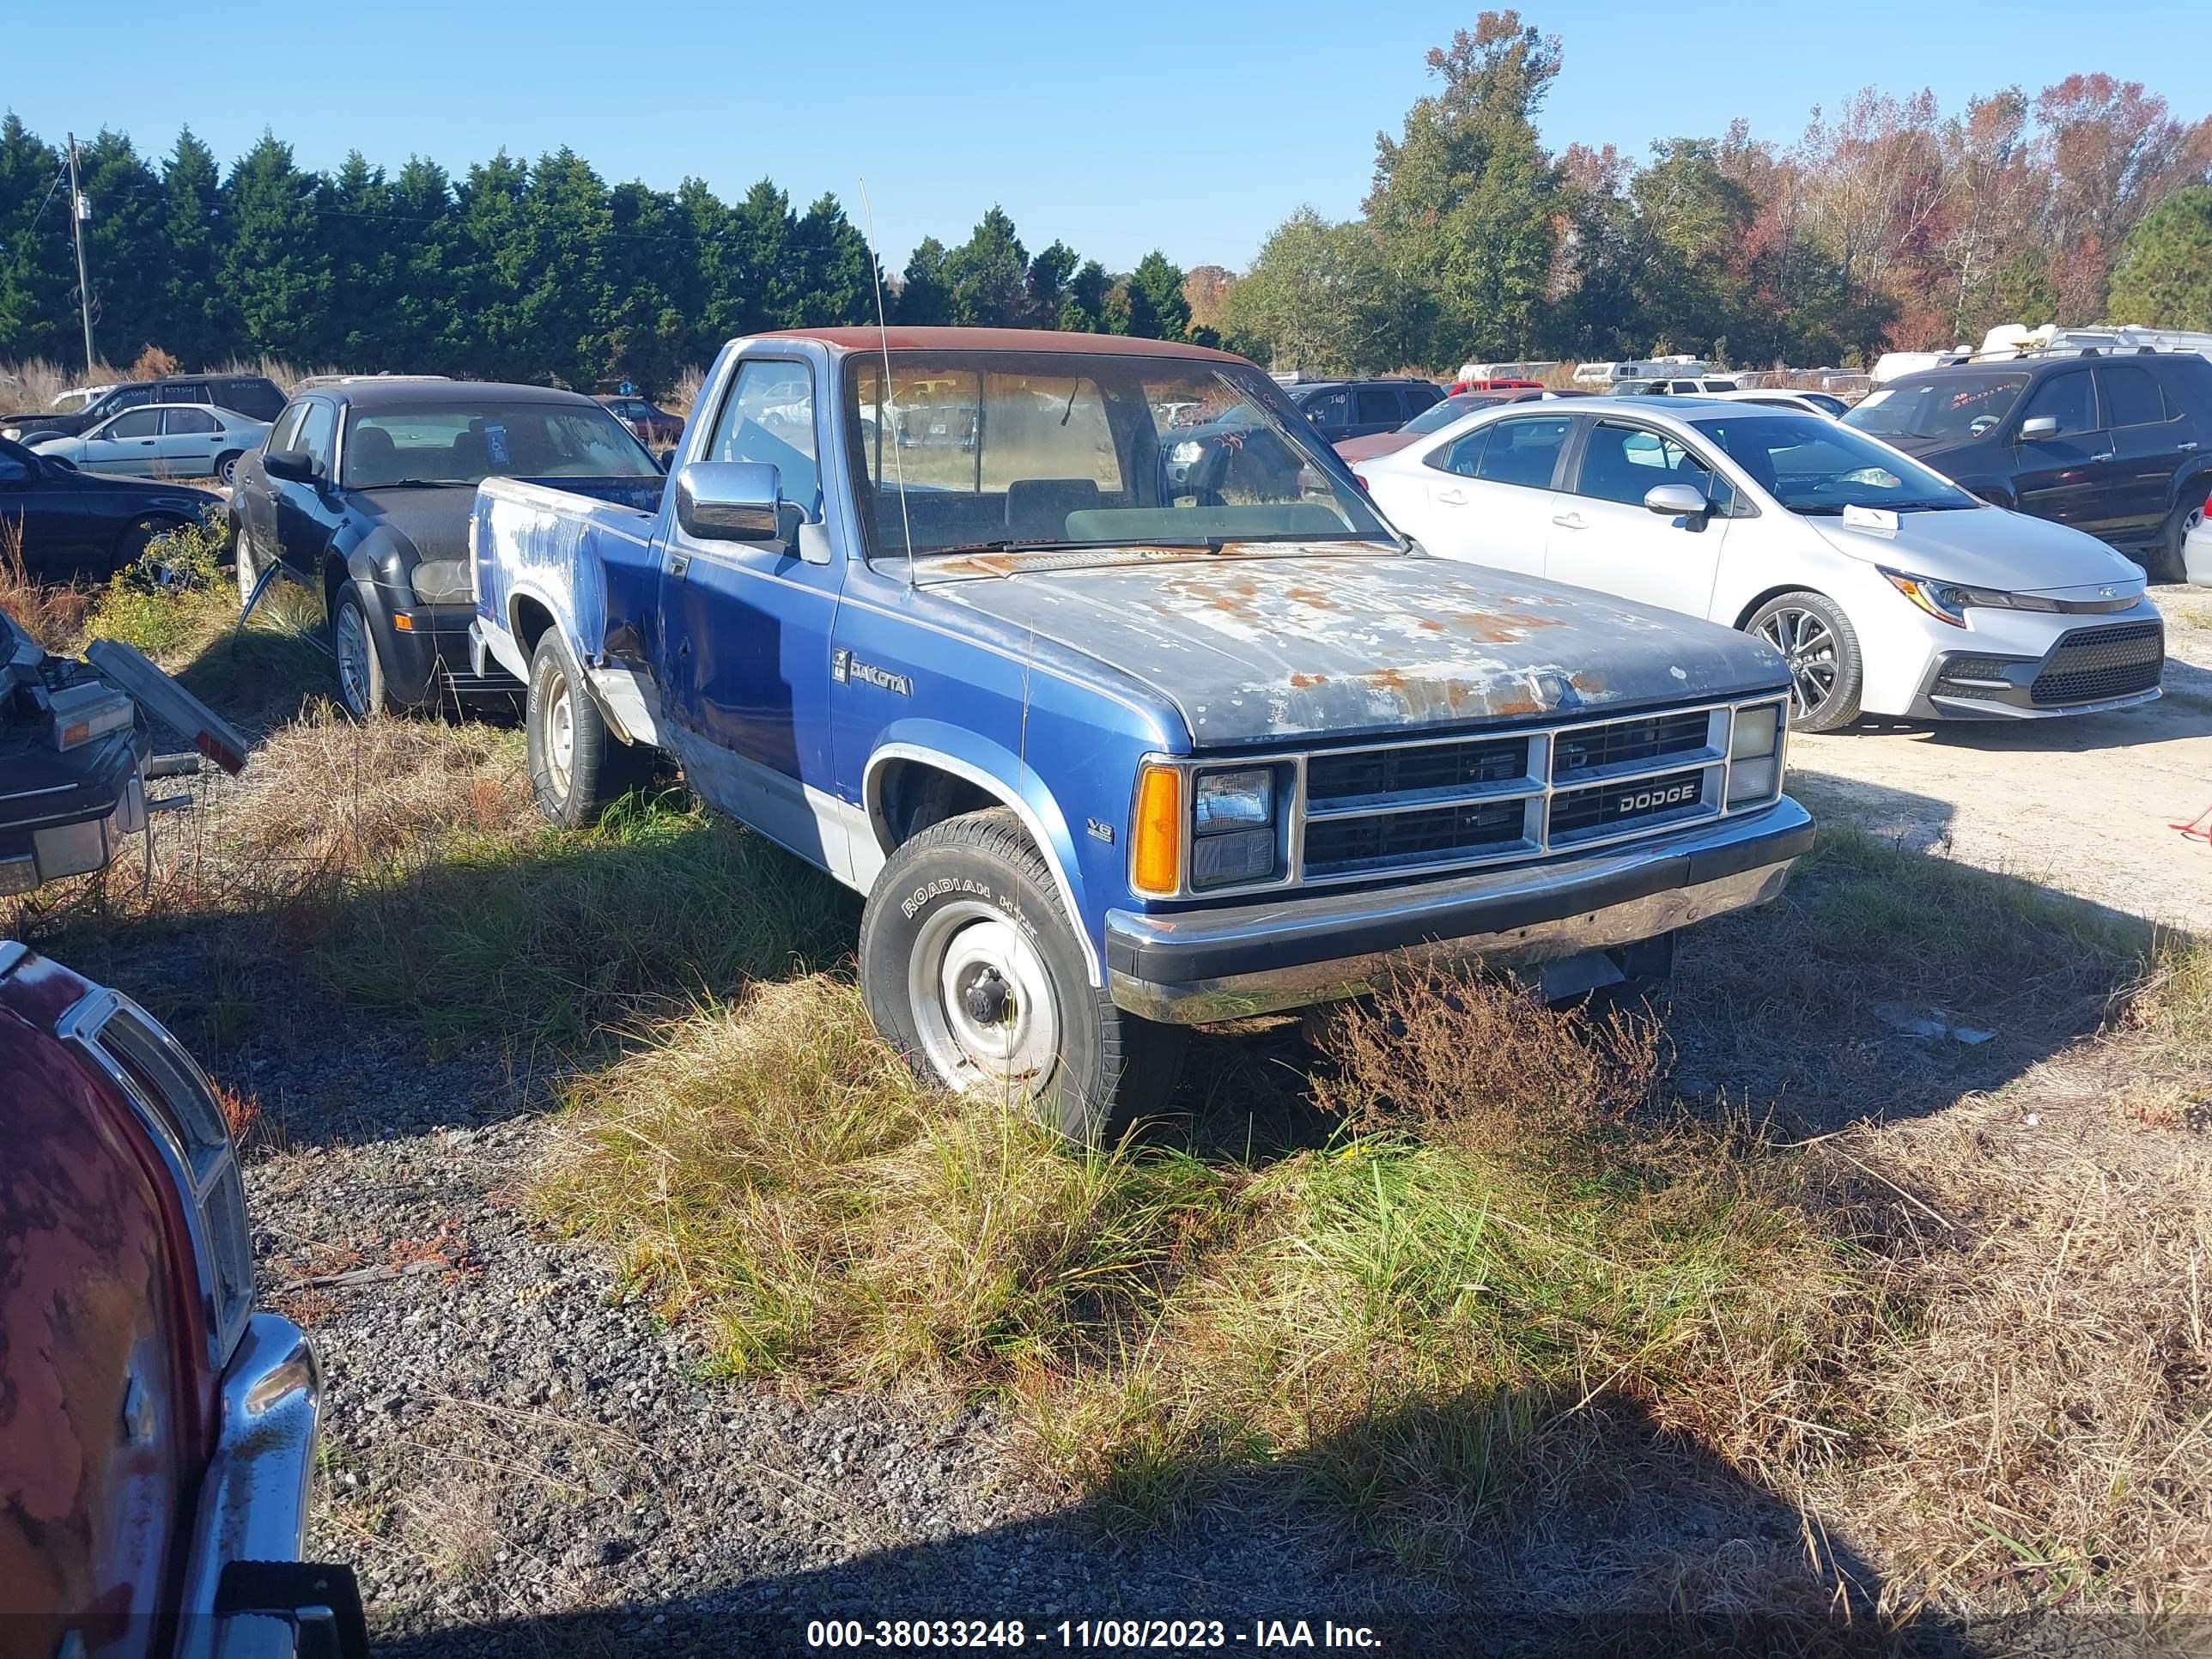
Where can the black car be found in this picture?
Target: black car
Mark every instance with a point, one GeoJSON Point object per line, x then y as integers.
{"type": "Point", "coordinates": [1353, 409]}
{"type": "Point", "coordinates": [364, 496]}
{"type": "Point", "coordinates": [255, 395]}
{"type": "Point", "coordinates": [76, 528]}
{"type": "Point", "coordinates": [2119, 446]}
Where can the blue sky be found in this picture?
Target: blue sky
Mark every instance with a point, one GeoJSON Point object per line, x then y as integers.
{"type": "Point", "coordinates": [1194, 128]}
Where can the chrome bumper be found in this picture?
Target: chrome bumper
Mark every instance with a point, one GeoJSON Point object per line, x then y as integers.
{"type": "Point", "coordinates": [1191, 966]}
{"type": "Point", "coordinates": [253, 1498]}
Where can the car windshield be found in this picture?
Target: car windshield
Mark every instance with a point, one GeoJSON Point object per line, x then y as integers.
{"type": "Point", "coordinates": [466, 443]}
{"type": "Point", "coordinates": [1957, 407]}
{"type": "Point", "coordinates": [969, 451]}
{"type": "Point", "coordinates": [1816, 466]}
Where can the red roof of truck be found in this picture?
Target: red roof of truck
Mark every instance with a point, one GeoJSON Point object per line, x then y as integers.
{"type": "Point", "coordinates": [867, 338]}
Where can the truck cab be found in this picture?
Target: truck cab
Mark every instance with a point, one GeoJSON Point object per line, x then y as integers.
{"type": "Point", "coordinates": [1122, 720]}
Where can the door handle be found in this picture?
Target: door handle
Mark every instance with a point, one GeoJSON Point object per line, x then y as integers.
{"type": "Point", "coordinates": [2107, 456]}
{"type": "Point", "coordinates": [1452, 497]}
{"type": "Point", "coordinates": [1569, 520]}
{"type": "Point", "coordinates": [2186, 448]}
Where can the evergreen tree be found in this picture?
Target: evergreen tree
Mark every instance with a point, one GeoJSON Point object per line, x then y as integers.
{"type": "Point", "coordinates": [122, 249]}
{"type": "Point", "coordinates": [276, 266]}
{"type": "Point", "coordinates": [1048, 274]}
{"type": "Point", "coordinates": [2164, 272]}
{"type": "Point", "coordinates": [199, 323]}
{"type": "Point", "coordinates": [923, 299]}
{"type": "Point", "coordinates": [1158, 308]}
{"type": "Point", "coordinates": [987, 276]}
{"type": "Point", "coordinates": [38, 276]}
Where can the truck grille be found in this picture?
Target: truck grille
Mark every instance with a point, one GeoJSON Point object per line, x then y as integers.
{"type": "Point", "coordinates": [2090, 664]}
{"type": "Point", "coordinates": [1441, 804]}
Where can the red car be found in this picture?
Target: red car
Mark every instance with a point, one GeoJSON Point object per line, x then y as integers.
{"type": "Point", "coordinates": [157, 1434]}
{"type": "Point", "coordinates": [1493, 386]}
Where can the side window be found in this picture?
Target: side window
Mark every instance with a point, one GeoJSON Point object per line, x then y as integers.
{"type": "Point", "coordinates": [1621, 463]}
{"type": "Point", "coordinates": [1462, 455]}
{"type": "Point", "coordinates": [1421, 395]}
{"type": "Point", "coordinates": [179, 421]}
{"type": "Point", "coordinates": [1524, 452]}
{"type": "Point", "coordinates": [2066, 398]}
{"type": "Point", "coordinates": [129, 397]}
{"type": "Point", "coordinates": [1379, 402]}
{"type": "Point", "coordinates": [318, 435]}
{"type": "Point", "coordinates": [285, 435]}
{"type": "Point", "coordinates": [190, 392]}
{"type": "Point", "coordinates": [1328, 408]}
{"type": "Point", "coordinates": [2130, 396]}
{"type": "Point", "coordinates": [770, 416]}
{"type": "Point", "coordinates": [138, 423]}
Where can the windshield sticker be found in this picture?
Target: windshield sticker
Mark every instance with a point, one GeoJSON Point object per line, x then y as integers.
{"type": "Point", "coordinates": [496, 444]}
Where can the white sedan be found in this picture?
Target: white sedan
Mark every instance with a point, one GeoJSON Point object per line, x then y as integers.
{"type": "Point", "coordinates": [1888, 589]}
{"type": "Point", "coordinates": [162, 440]}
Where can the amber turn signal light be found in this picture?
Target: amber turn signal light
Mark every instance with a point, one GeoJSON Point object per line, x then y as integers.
{"type": "Point", "coordinates": [1156, 858]}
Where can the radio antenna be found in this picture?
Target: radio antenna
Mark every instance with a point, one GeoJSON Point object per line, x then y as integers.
{"type": "Point", "coordinates": [884, 396]}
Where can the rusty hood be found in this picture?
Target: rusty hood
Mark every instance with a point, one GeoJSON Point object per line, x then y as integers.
{"type": "Point", "coordinates": [1250, 649]}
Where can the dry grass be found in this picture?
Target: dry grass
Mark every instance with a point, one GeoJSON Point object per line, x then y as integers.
{"type": "Point", "coordinates": [39, 381]}
{"type": "Point", "coordinates": [52, 613]}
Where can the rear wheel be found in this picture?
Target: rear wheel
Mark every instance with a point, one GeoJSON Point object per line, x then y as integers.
{"type": "Point", "coordinates": [578, 766]}
{"type": "Point", "coordinates": [140, 535]}
{"type": "Point", "coordinates": [226, 468]}
{"type": "Point", "coordinates": [972, 970]}
{"type": "Point", "coordinates": [2163, 561]}
{"type": "Point", "coordinates": [1822, 649]}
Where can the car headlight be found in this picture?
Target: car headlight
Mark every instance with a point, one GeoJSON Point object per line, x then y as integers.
{"type": "Point", "coordinates": [1233, 827]}
{"type": "Point", "coordinates": [1948, 602]}
{"type": "Point", "coordinates": [1184, 453]}
{"type": "Point", "coordinates": [11, 431]}
{"type": "Point", "coordinates": [1755, 754]}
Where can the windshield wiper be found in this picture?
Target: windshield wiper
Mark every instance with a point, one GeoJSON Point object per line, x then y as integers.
{"type": "Point", "coordinates": [1009, 545]}
{"type": "Point", "coordinates": [418, 483]}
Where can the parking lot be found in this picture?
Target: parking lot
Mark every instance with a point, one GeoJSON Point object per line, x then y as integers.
{"type": "Point", "coordinates": [2086, 806]}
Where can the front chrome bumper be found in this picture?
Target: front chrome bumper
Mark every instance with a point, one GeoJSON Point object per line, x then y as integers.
{"type": "Point", "coordinates": [1191, 966]}
{"type": "Point", "coordinates": [253, 1498]}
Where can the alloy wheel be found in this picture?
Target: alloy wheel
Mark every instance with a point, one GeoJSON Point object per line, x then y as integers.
{"type": "Point", "coordinates": [353, 648]}
{"type": "Point", "coordinates": [1808, 645]}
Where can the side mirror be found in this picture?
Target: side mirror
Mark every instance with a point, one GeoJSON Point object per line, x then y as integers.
{"type": "Point", "coordinates": [57, 466]}
{"type": "Point", "coordinates": [729, 501]}
{"type": "Point", "coordinates": [1678, 501]}
{"type": "Point", "coordinates": [2043, 425]}
{"type": "Point", "coordinates": [294, 466]}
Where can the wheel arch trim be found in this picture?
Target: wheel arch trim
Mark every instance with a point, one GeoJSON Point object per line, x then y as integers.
{"type": "Point", "coordinates": [1005, 777]}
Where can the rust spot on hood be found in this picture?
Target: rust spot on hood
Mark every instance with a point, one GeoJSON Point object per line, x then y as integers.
{"type": "Point", "coordinates": [1304, 681]}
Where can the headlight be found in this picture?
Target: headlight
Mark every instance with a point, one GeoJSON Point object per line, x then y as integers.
{"type": "Point", "coordinates": [443, 581]}
{"type": "Point", "coordinates": [1234, 801]}
{"type": "Point", "coordinates": [1184, 453]}
{"type": "Point", "coordinates": [1755, 754]}
{"type": "Point", "coordinates": [1947, 601]}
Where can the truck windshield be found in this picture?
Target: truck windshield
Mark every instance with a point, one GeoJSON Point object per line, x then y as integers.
{"type": "Point", "coordinates": [466, 443]}
{"type": "Point", "coordinates": [1812, 466]}
{"type": "Point", "coordinates": [1957, 408]}
{"type": "Point", "coordinates": [969, 450]}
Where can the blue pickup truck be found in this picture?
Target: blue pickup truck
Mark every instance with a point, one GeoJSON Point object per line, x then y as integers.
{"type": "Point", "coordinates": [1120, 729]}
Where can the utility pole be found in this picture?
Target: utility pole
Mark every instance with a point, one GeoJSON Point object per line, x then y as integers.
{"type": "Point", "coordinates": [79, 211]}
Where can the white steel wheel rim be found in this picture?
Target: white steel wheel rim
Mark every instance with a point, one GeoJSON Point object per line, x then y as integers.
{"type": "Point", "coordinates": [983, 1000]}
{"type": "Point", "coordinates": [353, 659]}
{"type": "Point", "coordinates": [1808, 645]}
{"type": "Point", "coordinates": [559, 735]}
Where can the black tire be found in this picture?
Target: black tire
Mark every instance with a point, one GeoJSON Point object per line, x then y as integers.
{"type": "Point", "coordinates": [1811, 630]}
{"type": "Point", "coordinates": [140, 534]}
{"type": "Point", "coordinates": [559, 715]}
{"type": "Point", "coordinates": [976, 885]}
{"type": "Point", "coordinates": [245, 564]}
{"type": "Point", "coordinates": [2163, 562]}
{"type": "Point", "coordinates": [363, 691]}
{"type": "Point", "coordinates": [226, 467]}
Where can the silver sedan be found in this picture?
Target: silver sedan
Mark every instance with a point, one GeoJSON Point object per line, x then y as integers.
{"type": "Point", "coordinates": [162, 440]}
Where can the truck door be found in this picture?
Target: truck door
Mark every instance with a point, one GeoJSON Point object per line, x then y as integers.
{"type": "Point", "coordinates": [743, 646]}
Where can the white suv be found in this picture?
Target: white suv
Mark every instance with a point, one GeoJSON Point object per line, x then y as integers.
{"type": "Point", "coordinates": [1889, 590]}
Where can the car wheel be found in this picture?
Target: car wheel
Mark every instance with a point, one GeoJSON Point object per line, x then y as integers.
{"type": "Point", "coordinates": [2164, 562]}
{"type": "Point", "coordinates": [142, 533]}
{"type": "Point", "coordinates": [226, 468]}
{"type": "Point", "coordinates": [246, 564]}
{"type": "Point", "coordinates": [972, 971]}
{"type": "Point", "coordinates": [1822, 649]}
{"type": "Point", "coordinates": [578, 766]}
{"type": "Point", "coordinates": [361, 688]}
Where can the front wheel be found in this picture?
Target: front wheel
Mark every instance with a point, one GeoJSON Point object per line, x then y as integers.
{"type": "Point", "coordinates": [362, 687]}
{"type": "Point", "coordinates": [2163, 561]}
{"type": "Point", "coordinates": [1822, 649]}
{"type": "Point", "coordinates": [971, 969]}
